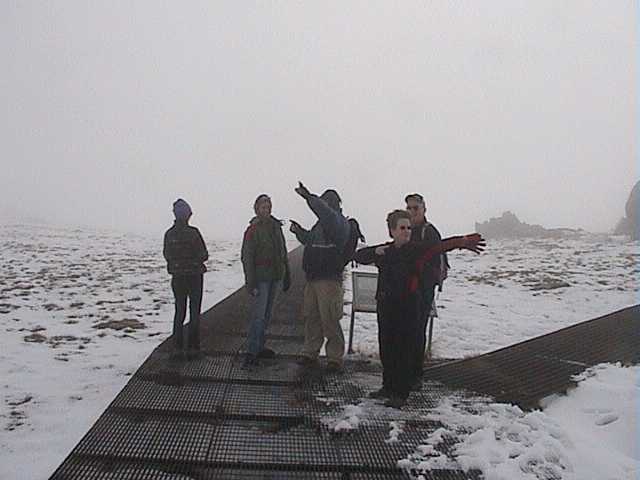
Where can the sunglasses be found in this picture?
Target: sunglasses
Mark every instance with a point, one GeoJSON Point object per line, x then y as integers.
{"type": "Point", "coordinates": [413, 207]}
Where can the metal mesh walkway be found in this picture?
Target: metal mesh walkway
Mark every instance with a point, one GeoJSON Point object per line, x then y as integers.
{"type": "Point", "coordinates": [529, 371]}
{"type": "Point", "coordinates": [212, 419]}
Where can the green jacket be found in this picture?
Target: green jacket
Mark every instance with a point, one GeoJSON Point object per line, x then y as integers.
{"type": "Point", "coordinates": [264, 252]}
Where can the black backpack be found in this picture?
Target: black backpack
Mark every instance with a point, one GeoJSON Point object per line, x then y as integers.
{"type": "Point", "coordinates": [355, 235]}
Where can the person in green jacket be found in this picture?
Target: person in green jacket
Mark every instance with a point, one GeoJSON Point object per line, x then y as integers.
{"type": "Point", "coordinates": [266, 272]}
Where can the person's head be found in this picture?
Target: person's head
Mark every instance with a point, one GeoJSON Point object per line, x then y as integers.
{"type": "Point", "coordinates": [399, 224]}
{"type": "Point", "coordinates": [332, 198]}
{"type": "Point", "coordinates": [262, 206]}
{"type": "Point", "coordinates": [416, 208]}
{"type": "Point", "coordinates": [181, 210]}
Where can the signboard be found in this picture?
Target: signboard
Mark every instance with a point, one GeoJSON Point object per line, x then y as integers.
{"type": "Point", "coordinates": [364, 286]}
{"type": "Point", "coordinates": [364, 291]}
{"type": "Point", "coordinates": [364, 300]}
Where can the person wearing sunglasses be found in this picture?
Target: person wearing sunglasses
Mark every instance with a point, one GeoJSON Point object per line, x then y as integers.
{"type": "Point", "coordinates": [401, 264]}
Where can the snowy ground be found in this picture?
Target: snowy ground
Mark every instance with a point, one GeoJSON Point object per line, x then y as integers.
{"type": "Point", "coordinates": [589, 434]}
{"type": "Point", "coordinates": [81, 309]}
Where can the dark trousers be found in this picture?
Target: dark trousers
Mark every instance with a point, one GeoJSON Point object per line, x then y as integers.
{"type": "Point", "coordinates": [187, 286]}
{"type": "Point", "coordinates": [424, 308]}
{"type": "Point", "coordinates": [383, 345]}
{"type": "Point", "coordinates": [398, 339]}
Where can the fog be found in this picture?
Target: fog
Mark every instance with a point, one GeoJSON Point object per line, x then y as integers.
{"type": "Point", "coordinates": [112, 110]}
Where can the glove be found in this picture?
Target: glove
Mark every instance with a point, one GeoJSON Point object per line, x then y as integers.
{"type": "Point", "coordinates": [302, 191]}
{"type": "Point", "coordinates": [294, 227]}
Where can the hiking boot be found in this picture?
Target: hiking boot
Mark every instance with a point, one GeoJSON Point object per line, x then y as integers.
{"type": "Point", "coordinates": [250, 361]}
{"type": "Point", "coordinates": [417, 385]}
{"type": "Point", "coordinates": [267, 353]}
{"type": "Point", "coordinates": [396, 401]}
{"type": "Point", "coordinates": [380, 393]}
{"type": "Point", "coordinates": [334, 367]}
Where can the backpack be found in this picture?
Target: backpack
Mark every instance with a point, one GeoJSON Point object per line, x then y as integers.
{"type": "Point", "coordinates": [355, 235]}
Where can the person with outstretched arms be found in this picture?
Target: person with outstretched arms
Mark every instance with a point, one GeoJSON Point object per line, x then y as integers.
{"type": "Point", "coordinates": [398, 297]}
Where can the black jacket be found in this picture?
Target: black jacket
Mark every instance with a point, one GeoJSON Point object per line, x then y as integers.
{"type": "Point", "coordinates": [185, 250]}
{"type": "Point", "coordinates": [400, 269]}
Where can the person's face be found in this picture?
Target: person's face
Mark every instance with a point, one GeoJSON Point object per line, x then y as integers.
{"type": "Point", "coordinates": [402, 233]}
{"type": "Point", "coordinates": [416, 210]}
{"type": "Point", "coordinates": [264, 209]}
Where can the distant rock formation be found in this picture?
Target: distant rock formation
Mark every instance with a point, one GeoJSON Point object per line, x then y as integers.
{"type": "Point", "coordinates": [630, 224]}
{"type": "Point", "coordinates": [508, 226]}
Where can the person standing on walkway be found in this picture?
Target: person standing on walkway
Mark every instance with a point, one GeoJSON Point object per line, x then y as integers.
{"type": "Point", "coordinates": [323, 264]}
{"type": "Point", "coordinates": [398, 297]}
{"type": "Point", "coordinates": [433, 275]}
{"type": "Point", "coordinates": [185, 252]}
{"type": "Point", "coordinates": [266, 272]}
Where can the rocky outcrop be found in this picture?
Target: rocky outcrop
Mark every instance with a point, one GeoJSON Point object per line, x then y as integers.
{"type": "Point", "coordinates": [630, 223]}
{"type": "Point", "coordinates": [509, 226]}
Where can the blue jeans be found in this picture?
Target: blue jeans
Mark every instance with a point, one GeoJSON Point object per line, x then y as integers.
{"type": "Point", "coordinates": [261, 309]}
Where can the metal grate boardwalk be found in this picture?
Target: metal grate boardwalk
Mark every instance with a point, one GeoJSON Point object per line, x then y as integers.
{"type": "Point", "coordinates": [212, 419]}
{"type": "Point", "coordinates": [529, 371]}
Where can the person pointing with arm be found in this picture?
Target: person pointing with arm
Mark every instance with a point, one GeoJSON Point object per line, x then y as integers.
{"type": "Point", "coordinates": [323, 264]}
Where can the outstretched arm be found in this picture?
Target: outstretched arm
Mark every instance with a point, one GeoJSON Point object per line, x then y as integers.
{"type": "Point", "coordinates": [369, 255]}
{"type": "Point", "coordinates": [301, 233]}
{"type": "Point", "coordinates": [333, 222]}
{"type": "Point", "coordinates": [473, 242]}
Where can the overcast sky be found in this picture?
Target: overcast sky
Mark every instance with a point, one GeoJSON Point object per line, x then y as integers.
{"type": "Point", "coordinates": [112, 110]}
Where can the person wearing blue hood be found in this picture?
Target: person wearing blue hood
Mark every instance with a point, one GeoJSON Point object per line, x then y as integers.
{"type": "Point", "coordinates": [185, 252]}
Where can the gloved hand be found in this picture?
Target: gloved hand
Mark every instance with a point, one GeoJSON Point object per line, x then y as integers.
{"type": "Point", "coordinates": [381, 249]}
{"type": "Point", "coordinates": [302, 191]}
{"type": "Point", "coordinates": [294, 227]}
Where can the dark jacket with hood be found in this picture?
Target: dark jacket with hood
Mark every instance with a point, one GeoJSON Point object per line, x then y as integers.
{"type": "Point", "coordinates": [185, 250]}
{"type": "Point", "coordinates": [324, 244]}
{"type": "Point", "coordinates": [264, 252]}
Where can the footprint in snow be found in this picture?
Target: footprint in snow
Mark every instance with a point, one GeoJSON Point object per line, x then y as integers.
{"type": "Point", "coordinates": [606, 419]}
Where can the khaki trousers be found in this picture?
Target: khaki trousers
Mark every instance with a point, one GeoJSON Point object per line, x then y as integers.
{"type": "Point", "coordinates": [322, 311]}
